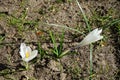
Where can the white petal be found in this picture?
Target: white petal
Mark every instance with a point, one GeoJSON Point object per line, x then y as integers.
{"type": "Point", "coordinates": [91, 37]}
{"type": "Point", "coordinates": [25, 59]}
{"type": "Point", "coordinates": [22, 49]}
{"type": "Point", "coordinates": [100, 37]}
{"type": "Point", "coordinates": [99, 31]}
{"type": "Point", "coordinates": [32, 56]}
{"type": "Point", "coordinates": [28, 49]}
{"type": "Point", "coordinates": [94, 31]}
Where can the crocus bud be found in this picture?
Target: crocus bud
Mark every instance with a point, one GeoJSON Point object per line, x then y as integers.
{"type": "Point", "coordinates": [91, 37]}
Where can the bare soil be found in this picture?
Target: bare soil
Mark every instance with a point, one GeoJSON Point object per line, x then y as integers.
{"type": "Point", "coordinates": [75, 66]}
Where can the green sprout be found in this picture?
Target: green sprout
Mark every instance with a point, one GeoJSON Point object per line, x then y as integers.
{"type": "Point", "coordinates": [57, 50]}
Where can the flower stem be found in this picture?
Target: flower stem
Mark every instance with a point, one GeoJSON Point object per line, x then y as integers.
{"type": "Point", "coordinates": [91, 64]}
{"type": "Point", "coordinates": [89, 29]}
{"type": "Point", "coordinates": [27, 66]}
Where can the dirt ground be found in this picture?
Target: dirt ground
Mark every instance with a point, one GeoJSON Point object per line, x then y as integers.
{"type": "Point", "coordinates": [23, 21]}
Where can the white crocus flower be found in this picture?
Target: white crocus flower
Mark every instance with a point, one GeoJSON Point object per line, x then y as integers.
{"type": "Point", "coordinates": [91, 37]}
{"type": "Point", "coordinates": [26, 53]}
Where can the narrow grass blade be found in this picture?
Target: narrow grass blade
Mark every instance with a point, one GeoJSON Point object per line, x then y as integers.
{"type": "Point", "coordinates": [54, 43]}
